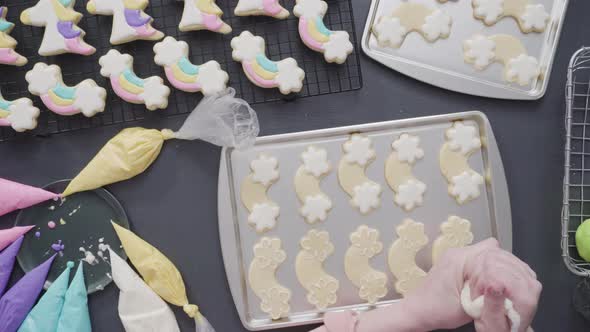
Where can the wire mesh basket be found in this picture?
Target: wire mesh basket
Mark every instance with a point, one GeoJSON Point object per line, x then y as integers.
{"type": "Point", "coordinates": [576, 183]}
{"type": "Point", "coordinates": [281, 36]}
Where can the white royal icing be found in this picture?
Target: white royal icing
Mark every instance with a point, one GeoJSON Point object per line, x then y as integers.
{"type": "Point", "coordinates": [290, 76]}
{"type": "Point", "coordinates": [42, 78]}
{"type": "Point", "coordinates": [212, 78]}
{"type": "Point", "coordinates": [463, 137]}
{"type": "Point", "coordinates": [338, 47]}
{"type": "Point", "coordinates": [316, 208]}
{"type": "Point", "coordinates": [310, 8]}
{"type": "Point", "coordinates": [246, 46]}
{"type": "Point", "coordinates": [169, 51]}
{"type": "Point", "coordinates": [366, 196]}
{"type": "Point", "coordinates": [480, 51]}
{"type": "Point", "coordinates": [265, 169]}
{"type": "Point", "coordinates": [263, 216]}
{"type": "Point", "coordinates": [523, 69]}
{"type": "Point", "coordinates": [534, 17]}
{"type": "Point", "coordinates": [489, 10]}
{"type": "Point", "coordinates": [315, 161]}
{"type": "Point", "coordinates": [89, 98]}
{"type": "Point", "coordinates": [437, 25]}
{"type": "Point", "coordinates": [155, 93]}
{"type": "Point", "coordinates": [389, 31]}
{"type": "Point", "coordinates": [358, 150]}
{"type": "Point", "coordinates": [114, 63]}
{"type": "Point", "coordinates": [465, 186]}
{"type": "Point", "coordinates": [23, 115]}
{"type": "Point", "coordinates": [408, 148]}
{"type": "Point", "coordinates": [410, 194]}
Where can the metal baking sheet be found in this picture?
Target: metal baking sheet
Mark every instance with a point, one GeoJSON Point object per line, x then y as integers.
{"type": "Point", "coordinates": [489, 214]}
{"type": "Point", "coordinates": [441, 63]}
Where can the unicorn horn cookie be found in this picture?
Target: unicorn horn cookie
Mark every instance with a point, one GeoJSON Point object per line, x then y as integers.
{"type": "Point", "coordinates": [119, 69]}
{"type": "Point", "coordinates": [183, 75]}
{"type": "Point", "coordinates": [335, 45]}
{"type": "Point", "coordinates": [62, 35]}
{"type": "Point", "coordinates": [265, 73]}
{"type": "Point", "coordinates": [7, 44]}
{"type": "Point", "coordinates": [19, 114]}
{"type": "Point", "coordinates": [130, 22]}
{"type": "Point", "coordinates": [46, 82]}
{"type": "Point", "coordinates": [261, 7]}
{"type": "Point", "coordinates": [202, 15]}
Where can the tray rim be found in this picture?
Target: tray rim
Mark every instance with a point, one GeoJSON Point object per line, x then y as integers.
{"type": "Point", "coordinates": [498, 197]}
{"type": "Point", "coordinates": [452, 81]}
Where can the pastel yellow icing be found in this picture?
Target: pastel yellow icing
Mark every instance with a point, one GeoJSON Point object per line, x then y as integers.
{"type": "Point", "coordinates": [65, 13]}
{"type": "Point", "coordinates": [129, 87]}
{"type": "Point", "coordinates": [181, 76]}
{"type": "Point", "coordinates": [4, 114]}
{"type": "Point", "coordinates": [6, 41]}
{"type": "Point", "coordinates": [208, 6]}
{"type": "Point", "coordinates": [267, 75]}
{"type": "Point", "coordinates": [58, 100]}
{"type": "Point", "coordinates": [315, 33]}
{"type": "Point", "coordinates": [135, 4]}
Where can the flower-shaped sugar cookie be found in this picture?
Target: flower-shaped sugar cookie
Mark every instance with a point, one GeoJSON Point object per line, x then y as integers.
{"type": "Point", "coordinates": [315, 203]}
{"type": "Point", "coordinates": [455, 233]}
{"type": "Point", "coordinates": [367, 241]}
{"type": "Point", "coordinates": [317, 244]}
{"type": "Point", "coordinates": [263, 212]}
{"type": "Point", "coordinates": [20, 114]}
{"type": "Point", "coordinates": [530, 17]}
{"type": "Point", "coordinates": [268, 253]}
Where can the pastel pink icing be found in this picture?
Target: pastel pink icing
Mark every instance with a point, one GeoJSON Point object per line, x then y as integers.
{"type": "Point", "coordinates": [188, 87]}
{"type": "Point", "coordinates": [62, 110]}
{"type": "Point", "coordinates": [75, 46]}
{"type": "Point", "coordinates": [271, 6]}
{"type": "Point", "coordinates": [4, 123]}
{"type": "Point", "coordinates": [14, 196]}
{"type": "Point", "coordinates": [126, 95]}
{"type": "Point", "coordinates": [7, 236]}
{"type": "Point", "coordinates": [306, 37]}
{"type": "Point", "coordinates": [212, 22]}
{"type": "Point", "coordinates": [257, 79]}
{"type": "Point", "coordinates": [7, 56]}
{"type": "Point", "coordinates": [145, 30]}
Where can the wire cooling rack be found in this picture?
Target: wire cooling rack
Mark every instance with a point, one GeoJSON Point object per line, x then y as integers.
{"type": "Point", "coordinates": [281, 36]}
{"type": "Point", "coordinates": [576, 183]}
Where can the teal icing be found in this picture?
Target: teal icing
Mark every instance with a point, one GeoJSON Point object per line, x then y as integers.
{"type": "Point", "coordinates": [319, 23]}
{"type": "Point", "coordinates": [4, 104]}
{"type": "Point", "coordinates": [5, 25]}
{"type": "Point", "coordinates": [267, 64]}
{"type": "Point", "coordinates": [64, 92]}
{"type": "Point", "coordinates": [132, 78]}
{"type": "Point", "coordinates": [65, 3]}
{"type": "Point", "coordinates": [187, 67]}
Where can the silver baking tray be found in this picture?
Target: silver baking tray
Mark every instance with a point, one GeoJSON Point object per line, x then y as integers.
{"type": "Point", "coordinates": [441, 63]}
{"type": "Point", "coordinates": [489, 214]}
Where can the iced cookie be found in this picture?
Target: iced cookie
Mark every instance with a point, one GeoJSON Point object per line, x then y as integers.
{"type": "Point", "coordinates": [391, 30]}
{"type": "Point", "coordinates": [261, 7]}
{"type": "Point", "coordinates": [372, 283]}
{"type": "Point", "coordinates": [519, 67]}
{"type": "Point", "coordinates": [150, 91]}
{"type": "Point", "coordinates": [274, 297]}
{"type": "Point", "coordinates": [335, 45]}
{"type": "Point", "coordinates": [461, 142]}
{"type": "Point", "coordinates": [202, 15]}
{"type": "Point", "coordinates": [85, 97]}
{"type": "Point", "coordinates": [402, 256]}
{"type": "Point", "coordinates": [19, 114]}
{"type": "Point", "coordinates": [7, 44]}
{"type": "Point", "coordinates": [130, 22]}
{"type": "Point", "coordinates": [455, 233]}
{"type": "Point", "coordinates": [321, 287]}
{"type": "Point", "coordinates": [62, 35]}
{"type": "Point", "coordinates": [208, 78]}
{"type": "Point", "coordinates": [358, 154]}
{"type": "Point", "coordinates": [530, 17]}
{"type": "Point", "coordinates": [315, 204]}
{"type": "Point", "coordinates": [263, 211]}
{"type": "Point", "coordinates": [265, 73]}
{"type": "Point", "coordinates": [409, 191]}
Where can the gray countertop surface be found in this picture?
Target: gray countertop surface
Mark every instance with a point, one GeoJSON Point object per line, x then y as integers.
{"type": "Point", "coordinates": [174, 204]}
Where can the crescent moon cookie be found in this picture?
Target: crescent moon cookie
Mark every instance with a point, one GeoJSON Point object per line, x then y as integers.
{"type": "Point", "coordinates": [461, 142]}
{"type": "Point", "coordinates": [19, 114]}
{"type": "Point", "coordinates": [315, 204]}
{"type": "Point", "coordinates": [402, 256]}
{"type": "Point", "coordinates": [263, 72]}
{"type": "Point", "coordinates": [85, 97]}
{"type": "Point", "coordinates": [432, 24]}
{"type": "Point", "coordinates": [263, 211]}
{"type": "Point", "coordinates": [530, 17]}
{"type": "Point", "coordinates": [261, 7]}
{"type": "Point", "coordinates": [130, 22]}
{"type": "Point", "coordinates": [409, 191]}
{"type": "Point", "coordinates": [274, 297]}
{"type": "Point", "coordinates": [202, 15]}
{"type": "Point", "coordinates": [455, 233]}
{"type": "Point", "coordinates": [372, 283]}
{"type": "Point", "coordinates": [7, 44]}
{"type": "Point", "coordinates": [208, 78]}
{"type": "Point", "coordinates": [150, 91]}
{"type": "Point", "coordinates": [62, 35]}
{"type": "Point", "coordinates": [321, 287]}
{"type": "Point", "coordinates": [358, 154]}
{"type": "Point", "coordinates": [335, 45]}
{"type": "Point", "coordinates": [519, 67]}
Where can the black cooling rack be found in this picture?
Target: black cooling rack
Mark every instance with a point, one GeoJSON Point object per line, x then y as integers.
{"type": "Point", "coordinates": [281, 36]}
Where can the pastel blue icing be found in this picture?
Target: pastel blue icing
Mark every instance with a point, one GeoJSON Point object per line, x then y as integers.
{"type": "Point", "coordinates": [187, 67]}
{"type": "Point", "coordinates": [319, 23]}
{"type": "Point", "coordinates": [132, 78]}
{"type": "Point", "coordinates": [64, 92]}
{"type": "Point", "coordinates": [267, 64]}
{"type": "Point", "coordinates": [4, 104]}
{"type": "Point", "coordinates": [5, 25]}
{"type": "Point", "coordinates": [65, 3]}
{"type": "Point", "coordinates": [74, 316]}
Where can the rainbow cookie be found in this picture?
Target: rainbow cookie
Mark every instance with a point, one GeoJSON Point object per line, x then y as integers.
{"type": "Point", "coordinates": [335, 45]}
{"type": "Point", "coordinates": [261, 7]}
{"type": "Point", "coordinates": [46, 82]}
{"type": "Point", "coordinates": [7, 44]}
{"type": "Point", "coordinates": [265, 73]}
{"type": "Point", "coordinates": [19, 114]}
{"type": "Point", "coordinates": [202, 15]}
{"type": "Point", "coordinates": [62, 35]}
{"type": "Point", "coordinates": [208, 78]}
{"type": "Point", "coordinates": [150, 91]}
{"type": "Point", "coordinates": [130, 22]}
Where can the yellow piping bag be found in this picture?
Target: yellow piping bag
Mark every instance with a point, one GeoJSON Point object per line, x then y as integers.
{"type": "Point", "coordinates": [220, 119]}
{"type": "Point", "coordinates": [160, 274]}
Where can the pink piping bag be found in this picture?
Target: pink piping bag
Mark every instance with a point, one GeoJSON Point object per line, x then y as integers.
{"type": "Point", "coordinates": [7, 236]}
{"type": "Point", "coordinates": [15, 196]}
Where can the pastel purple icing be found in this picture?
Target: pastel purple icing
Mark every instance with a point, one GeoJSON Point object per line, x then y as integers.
{"type": "Point", "coordinates": [18, 300]}
{"type": "Point", "coordinates": [66, 29]}
{"type": "Point", "coordinates": [135, 18]}
{"type": "Point", "coordinates": [7, 258]}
